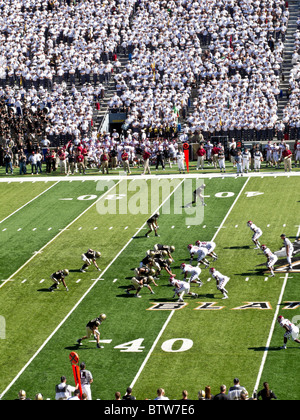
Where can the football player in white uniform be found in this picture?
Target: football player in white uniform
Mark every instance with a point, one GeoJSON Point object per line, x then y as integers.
{"type": "Point", "coordinates": [271, 259]}
{"type": "Point", "coordinates": [258, 159]}
{"type": "Point", "coordinates": [181, 288]}
{"type": "Point", "coordinates": [221, 281]}
{"type": "Point", "coordinates": [246, 159]}
{"type": "Point", "coordinates": [257, 232]}
{"type": "Point", "coordinates": [289, 249]}
{"type": "Point", "coordinates": [194, 273]}
{"type": "Point", "coordinates": [210, 246]}
{"type": "Point", "coordinates": [201, 253]}
{"type": "Point", "coordinates": [291, 331]}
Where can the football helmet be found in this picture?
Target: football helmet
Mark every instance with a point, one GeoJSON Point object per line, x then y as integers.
{"type": "Point", "coordinates": [189, 247]}
{"type": "Point", "coordinates": [102, 317]}
{"type": "Point", "coordinates": [169, 261]}
{"type": "Point", "coordinates": [150, 278]}
{"type": "Point", "coordinates": [65, 272]}
{"type": "Point", "coordinates": [152, 271]}
{"type": "Point", "coordinates": [198, 243]}
{"type": "Point", "coordinates": [172, 248]}
{"type": "Point", "coordinates": [249, 223]}
{"type": "Point", "coordinates": [182, 265]}
{"type": "Point", "coordinates": [280, 318]}
{"type": "Point", "coordinates": [263, 247]}
{"type": "Point", "coordinates": [164, 253]}
{"type": "Point", "coordinates": [212, 270]}
{"type": "Point", "coordinates": [97, 254]}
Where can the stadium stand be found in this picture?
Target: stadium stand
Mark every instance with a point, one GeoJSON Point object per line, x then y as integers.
{"type": "Point", "coordinates": [215, 68]}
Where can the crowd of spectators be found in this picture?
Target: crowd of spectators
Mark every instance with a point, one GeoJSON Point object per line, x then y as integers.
{"type": "Point", "coordinates": [235, 392]}
{"type": "Point", "coordinates": [220, 59]}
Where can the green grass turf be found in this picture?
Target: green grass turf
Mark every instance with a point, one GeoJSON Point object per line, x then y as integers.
{"type": "Point", "coordinates": [47, 215]}
{"type": "Point", "coordinates": [15, 195]}
{"type": "Point", "coordinates": [128, 318]}
{"type": "Point", "coordinates": [230, 343]}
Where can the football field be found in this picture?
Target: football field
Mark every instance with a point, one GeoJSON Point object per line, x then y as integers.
{"type": "Point", "coordinates": [153, 341]}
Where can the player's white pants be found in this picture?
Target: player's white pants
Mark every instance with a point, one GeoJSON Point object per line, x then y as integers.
{"type": "Point", "coordinates": [86, 389]}
{"type": "Point", "coordinates": [257, 164]}
{"type": "Point", "coordinates": [256, 235]}
{"type": "Point", "coordinates": [272, 261]}
{"type": "Point", "coordinates": [185, 288]}
{"type": "Point", "coordinates": [195, 274]}
{"type": "Point", "coordinates": [290, 255]}
{"type": "Point", "coordinates": [85, 259]}
{"type": "Point", "coordinates": [297, 157]}
{"type": "Point", "coordinates": [245, 165]}
{"type": "Point", "coordinates": [222, 163]}
{"type": "Point", "coordinates": [223, 282]}
{"type": "Point", "coordinates": [181, 165]}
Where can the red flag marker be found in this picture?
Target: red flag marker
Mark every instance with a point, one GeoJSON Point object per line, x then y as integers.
{"type": "Point", "coordinates": [74, 359]}
{"type": "Point", "coordinates": [186, 148]}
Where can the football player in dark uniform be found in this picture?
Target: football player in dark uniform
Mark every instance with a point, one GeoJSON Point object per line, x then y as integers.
{"type": "Point", "coordinates": [90, 257]}
{"type": "Point", "coordinates": [163, 264]}
{"type": "Point", "coordinates": [92, 330]}
{"type": "Point", "coordinates": [59, 277]}
{"type": "Point", "coordinates": [152, 224]}
{"type": "Point", "coordinates": [167, 248]}
{"type": "Point", "coordinates": [138, 283]}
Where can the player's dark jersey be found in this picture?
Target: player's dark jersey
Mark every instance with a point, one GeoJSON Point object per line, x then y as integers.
{"type": "Point", "coordinates": [160, 247]}
{"type": "Point", "coordinates": [147, 260]}
{"type": "Point", "coordinates": [161, 262]}
{"type": "Point", "coordinates": [93, 323]}
{"type": "Point", "coordinates": [152, 219]}
{"type": "Point", "coordinates": [58, 275]}
{"type": "Point", "coordinates": [90, 254]}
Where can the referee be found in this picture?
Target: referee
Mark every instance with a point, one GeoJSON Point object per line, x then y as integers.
{"type": "Point", "coordinates": [86, 379]}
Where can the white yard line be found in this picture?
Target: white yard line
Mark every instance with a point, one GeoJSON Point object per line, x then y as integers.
{"type": "Point", "coordinates": [56, 236]}
{"type": "Point", "coordinates": [172, 312]}
{"type": "Point", "coordinates": [16, 211]}
{"type": "Point", "coordinates": [270, 334]}
{"type": "Point", "coordinates": [84, 295]}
